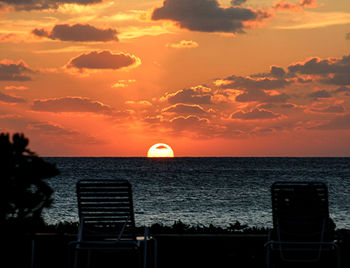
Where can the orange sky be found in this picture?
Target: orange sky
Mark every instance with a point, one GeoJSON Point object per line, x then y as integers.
{"type": "Point", "coordinates": [207, 77]}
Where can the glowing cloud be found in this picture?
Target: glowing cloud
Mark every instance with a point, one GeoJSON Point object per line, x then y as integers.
{"type": "Point", "coordinates": [184, 44]}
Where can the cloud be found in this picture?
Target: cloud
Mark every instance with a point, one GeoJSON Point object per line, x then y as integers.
{"type": "Point", "coordinates": [184, 44]}
{"type": "Point", "coordinates": [78, 32]}
{"type": "Point", "coordinates": [43, 4]}
{"type": "Point", "coordinates": [161, 147]}
{"type": "Point", "coordinates": [340, 122]}
{"type": "Point", "coordinates": [11, 98]}
{"type": "Point", "coordinates": [238, 2]}
{"type": "Point", "coordinates": [195, 95]}
{"type": "Point", "coordinates": [339, 109]}
{"type": "Point", "coordinates": [104, 60]}
{"type": "Point", "coordinates": [255, 114]}
{"type": "Point", "coordinates": [257, 89]}
{"type": "Point", "coordinates": [49, 129]}
{"type": "Point", "coordinates": [123, 83]}
{"type": "Point", "coordinates": [291, 7]}
{"type": "Point", "coordinates": [7, 37]}
{"type": "Point", "coordinates": [142, 104]}
{"type": "Point", "coordinates": [184, 109]}
{"type": "Point", "coordinates": [333, 71]}
{"type": "Point", "coordinates": [190, 122]}
{"type": "Point", "coordinates": [251, 83]}
{"type": "Point", "coordinates": [207, 15]}
{"type": "Point", "coordinates": [71, 104]}
{"type": "Point", "coordinates": [347, 36]}
{"type": "Point", "coordinates": [342, 89]}
{"type": "Point", "coordinates": [320, 94]}
{"type": "Point", "coordinates": [287, 6]}
{"type": "Point", "coordinates": [275, 72]}
{"type": "Point", "coordinates": [317, 66]}
{"type": "Point", "coordinates": [308, 3]}
{"type": "Point", "coordinates": [20, 88]}
{"type": "Point", "coordinates": [261, 96]}
{"type": "Point", "coordinates": [14, 71]}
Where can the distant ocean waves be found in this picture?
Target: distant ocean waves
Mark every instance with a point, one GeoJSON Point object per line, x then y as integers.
{"type": "Point", "coordinates": [202, 191]}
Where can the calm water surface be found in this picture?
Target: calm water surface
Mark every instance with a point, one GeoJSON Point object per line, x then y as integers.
{"type": "Point", "coordinates": [201, 191]}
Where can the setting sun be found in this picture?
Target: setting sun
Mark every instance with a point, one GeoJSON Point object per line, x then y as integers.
{"type": "Point", "coordinates": [160, 150]}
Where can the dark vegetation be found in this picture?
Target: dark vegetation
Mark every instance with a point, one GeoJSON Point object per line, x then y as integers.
{"type": "Point", "coordinates": [177, 228]}
{"type": "Point", "coordinates": [24, 192]}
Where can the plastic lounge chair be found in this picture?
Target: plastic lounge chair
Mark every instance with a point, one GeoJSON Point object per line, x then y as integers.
{"type": "Point", "coordinates": [303, 232]}
{"type": "Point", "coordinates": [107, 220]}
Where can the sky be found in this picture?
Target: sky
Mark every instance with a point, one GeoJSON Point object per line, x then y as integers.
{"type": "Point", "coordinates": [207, 77]}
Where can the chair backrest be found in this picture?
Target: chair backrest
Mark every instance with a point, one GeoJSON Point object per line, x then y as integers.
{"type": "Point", "coordinates": [300, 208]}
{"type": "Point", "coordinates": [106, 207]}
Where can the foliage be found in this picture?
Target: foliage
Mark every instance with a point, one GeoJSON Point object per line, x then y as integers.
{"type": "Point", "coordinates": [177, 228]}
{"type": "Point", "coordinates": [23, 191]}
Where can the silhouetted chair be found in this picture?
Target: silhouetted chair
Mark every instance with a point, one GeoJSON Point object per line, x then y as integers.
{"type": "Point", "coordinates": [107, 221]}
{"type": "Point", "coordinates": [302, 229]}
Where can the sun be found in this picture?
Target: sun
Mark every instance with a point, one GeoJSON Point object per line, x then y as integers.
{"type": "Point", "coordinates": [160, 150]}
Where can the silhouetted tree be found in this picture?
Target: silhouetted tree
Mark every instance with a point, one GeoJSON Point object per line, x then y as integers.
{"type": "Point", "coordinates": [23, 192]}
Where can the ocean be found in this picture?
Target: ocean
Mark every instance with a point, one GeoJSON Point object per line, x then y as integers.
{"type": "Point", "coordinates": [201, 190]}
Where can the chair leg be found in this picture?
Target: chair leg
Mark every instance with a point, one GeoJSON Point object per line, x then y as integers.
{"type": "Point", "coordinates": [88, 259]}
{"type": "Point", "coordinates": [155, 256]}
{"type": "Point", "coordinates": [32, 254]}
{"type": "Point", "coordinates": [76, 258]}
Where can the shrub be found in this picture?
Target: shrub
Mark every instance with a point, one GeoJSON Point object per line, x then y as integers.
{"type": "Point", "coordinates": [23, 192]}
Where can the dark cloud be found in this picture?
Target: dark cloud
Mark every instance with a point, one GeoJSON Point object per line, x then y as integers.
{"type": "Point", "coordinates": [11, 99]}
{"type": "Point", "coordinates": [291, 7]}
{"type": "Point", "coordinates": [78, 32]}
{"type": "Point", "coordinates": [44, 4]}
{"type": "Point", "coordinates": [320, 94]}
{"type": "Point", "coordinates": [49, 129]}
{"type": "Point", "coordinates": [261, 96]}
{"type": "Point", "coordinates": [339, 79]}
{"type": "Point", "coordinates": [347, 36]}
{"type": "Point", "coordinates": [317, 66]}
{"type": "Point", "coordinates": [40, 32]}
{"type": "Point", "coordinates": [161, 147]}
{"type": "Point", "coordinates": [343, 89]}
{"type": "Point", "coordinates": [71, 104]}
{"type": "Point", "coordinates": [275, 72]}
{"type": "Point", "coordinates": [330, 109]}
{"type": "Point", "coordinates": [237, 2]}
{"type": "Point", "coordinates": [340, 122]}
{"type": "Point", "coordinates": [255, 114]}
{"type": "Point", "coordinates": [14, 71]}
{"type": "Point", "coordinates": [207, 15]}
{"type": "Point", "coordinates": [250, 83]}
{"type": "Point", "coordinates": [185, 109]}
{"type": "Point", "coordinates": [189, 96]}
{"type": "Point", "coordinates": [103, 60]}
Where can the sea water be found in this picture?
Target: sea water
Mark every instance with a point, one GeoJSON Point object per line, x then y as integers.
{"type": "Point", "coordinates": [201, 190]}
